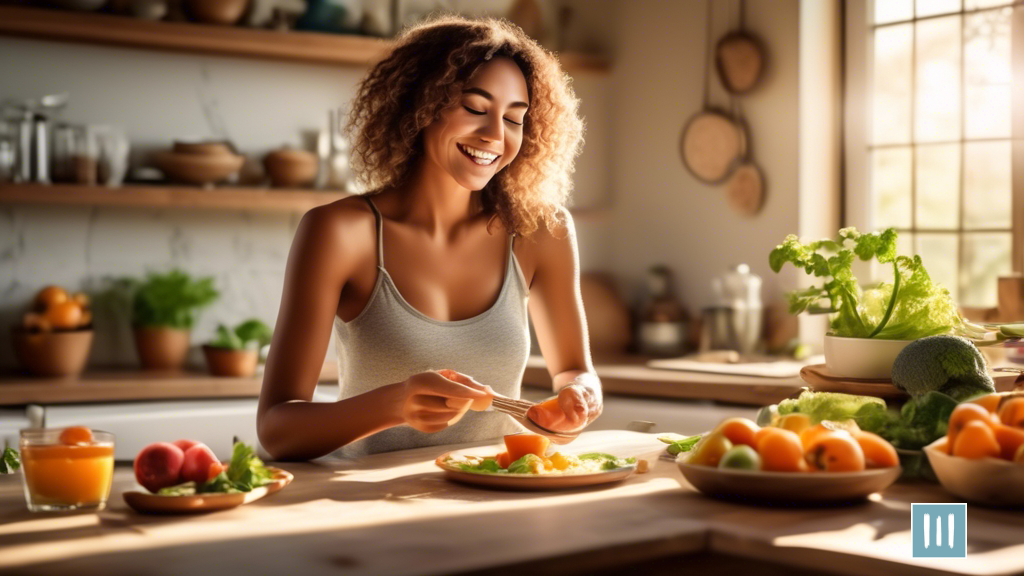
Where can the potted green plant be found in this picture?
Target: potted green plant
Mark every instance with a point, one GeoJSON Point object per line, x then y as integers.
{"type": "Point", "coordinates": [235, 352]}
{"type": "Point", "coordinates": [163, 311]}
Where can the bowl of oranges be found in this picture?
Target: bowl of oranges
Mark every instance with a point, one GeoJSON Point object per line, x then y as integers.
{"type": "Point", "coordinates": [981, 458]}
{"type": "Point", "coordinates": [55, 336]}
{"type": "Point", "coordinates": [794, 461]}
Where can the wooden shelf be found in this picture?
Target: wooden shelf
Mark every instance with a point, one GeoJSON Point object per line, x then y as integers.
{"type": "Point", "coordinates": [124, 386]}
{"type": "Point", "coordinates": [340, 49]}
{"type": "Point", "coordinates": [151, 196]}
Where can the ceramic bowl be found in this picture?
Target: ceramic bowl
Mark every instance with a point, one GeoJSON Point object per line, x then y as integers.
{"type": "Point", "coordinates": [988, 481]}
{"type": "Point", "coordinates": [863, 358]}
{"type": "Point", "coordinates": [228, 362]}
{"type": "Point", "coordinates": [756, 486]}
{"type": "Point", "coordinates": [52, 354]}
{"type": "Point", "coordinates": [223, 12]}
{"type": "Point", "coordinates": [198, 169]}
{"type": "Point", "coordinates": [291, 168]}
{"type": "Point", "coordinates": [201, 147]}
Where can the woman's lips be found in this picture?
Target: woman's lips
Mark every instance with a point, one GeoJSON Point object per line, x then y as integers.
{"type": "Point", "coordinates": [476, 161]}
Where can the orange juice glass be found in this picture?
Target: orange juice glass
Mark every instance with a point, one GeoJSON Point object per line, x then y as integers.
{"type": "Point", "coordinates": [66, 476]}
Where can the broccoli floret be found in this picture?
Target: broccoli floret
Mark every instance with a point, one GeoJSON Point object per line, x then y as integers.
{"type": "Point", "coordinates": [945, 363]}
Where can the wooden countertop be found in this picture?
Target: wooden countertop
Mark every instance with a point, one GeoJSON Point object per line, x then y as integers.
{"type": "Point", "coordinates": [395, 514]}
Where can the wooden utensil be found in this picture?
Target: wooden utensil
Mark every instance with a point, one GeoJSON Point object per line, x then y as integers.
{"type": "Point", "coordinates": [745, 188]}
{"type": "Point", "coordinates": [712, 142]}
{"type": "Point", "coordinates": [739, 59]}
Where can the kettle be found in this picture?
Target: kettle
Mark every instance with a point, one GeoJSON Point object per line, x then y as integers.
{"type": "Point", "coordinates": [735, 321]}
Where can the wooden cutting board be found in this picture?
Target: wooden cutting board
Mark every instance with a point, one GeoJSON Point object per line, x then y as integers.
{"type": "Point", "coordinates": [821, 380]}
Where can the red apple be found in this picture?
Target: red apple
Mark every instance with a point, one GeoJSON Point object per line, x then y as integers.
{"type": "Point", "coordinates": [185, 444]}
{"type": "Point", "coordinates": [159, 466]}
{"type": "Point", "coordinates": [200, 465]}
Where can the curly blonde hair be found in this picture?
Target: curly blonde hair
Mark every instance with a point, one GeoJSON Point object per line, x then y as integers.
{"type": "Point", "coordinates": [424, 74]}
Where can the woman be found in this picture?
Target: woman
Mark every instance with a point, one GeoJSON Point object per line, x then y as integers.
{"type": "Point", "coordinates": [466, 134]}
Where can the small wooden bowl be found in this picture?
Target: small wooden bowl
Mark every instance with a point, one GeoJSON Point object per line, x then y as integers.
{"type": "Point", "coordinates": [228, 362]}
{"type": "Point", "coordinates": [223, 12]}
{"type": "Point", "coordinates": [290, 168]}
{"type": "Point", "coordinates": [198, 169]}
{"type": "Point", "coordinates": [201, 147]}
{"type": "Point", "coordinates": [52, 354]}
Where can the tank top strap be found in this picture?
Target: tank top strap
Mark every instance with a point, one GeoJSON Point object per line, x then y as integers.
{"type": "Point", "coordinates": [380, 232]}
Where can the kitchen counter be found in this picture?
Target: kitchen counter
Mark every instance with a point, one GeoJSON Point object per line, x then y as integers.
{"type": "Point", "coordinates": [395, 514]}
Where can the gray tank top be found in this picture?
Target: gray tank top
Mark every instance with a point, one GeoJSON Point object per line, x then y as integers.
{"type": "Point", "coordinates": [390, 340]}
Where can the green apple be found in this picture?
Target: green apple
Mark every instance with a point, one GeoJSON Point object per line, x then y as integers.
{"type": "Point", "coordinates": [741, 457]}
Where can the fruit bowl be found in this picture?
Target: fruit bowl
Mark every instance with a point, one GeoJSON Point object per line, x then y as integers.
{"type": "Point", "coordinates": [862, 358]}
{"type": "Point", "coordinates": [988, 481]}
{"type": "Point", "coordinates": [54, 354]}
{"type": "Point", "coordinates": [757, 486]}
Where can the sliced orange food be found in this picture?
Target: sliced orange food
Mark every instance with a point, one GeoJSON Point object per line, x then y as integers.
{"type": "Point", "coordinates": [76, 436]}
{"type": "Point", "coordinates": [520, 445]}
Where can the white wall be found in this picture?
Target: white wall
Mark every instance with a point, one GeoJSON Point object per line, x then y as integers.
{"type": "Point", "coordinates": [662, 214]}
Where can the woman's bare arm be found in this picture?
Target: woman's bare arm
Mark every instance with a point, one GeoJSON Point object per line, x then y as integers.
{"type": "Point", "coordinates": [558, 319]}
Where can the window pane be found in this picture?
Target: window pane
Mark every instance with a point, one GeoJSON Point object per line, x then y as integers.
{"type": "Point", "coordinates": [975, 4]}
{"type": "Point", "coordinates": [893, 10]}
{"type": "Point", "coordinates": [893, 78]}
{"type": "Point", "coordinates": [933, 7]}
{"type": "Point", "coordinates": [939, 254]}
{"type": "Point", "coordinates": [986, 257]}
{"type": "Point", "coordinates": [938, 80]}
{"type": "Point", "coordinates": [890, 184]}
{"type": "Point", "coordinates": [987, 73]}
{"type": "Point", "coordinates": [937, 186]}
{"type": "Point", "coordinates": [987, 185]}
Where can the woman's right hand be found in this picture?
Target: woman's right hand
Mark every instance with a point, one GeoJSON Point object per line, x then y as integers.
{"type": "Point", "coordinates": [431, 402]}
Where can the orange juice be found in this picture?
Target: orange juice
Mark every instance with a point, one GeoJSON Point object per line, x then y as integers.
{"type": "Point", "coordinates": [66, 477]}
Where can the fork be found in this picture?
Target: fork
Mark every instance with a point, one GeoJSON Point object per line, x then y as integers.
{"type": "Point", "coordinates": [518, 409]}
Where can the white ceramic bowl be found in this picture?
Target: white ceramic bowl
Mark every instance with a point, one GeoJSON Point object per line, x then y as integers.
{"type": "Point", "coordinates": [989, 481]}
{"type": "Point", "coordinates": [864, 358]}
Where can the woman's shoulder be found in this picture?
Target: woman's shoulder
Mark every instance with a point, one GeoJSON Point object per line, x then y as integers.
{"type": "Point", "coordinates": [557, 231]}
{"type": "Point", "coordinates": [343, 225]}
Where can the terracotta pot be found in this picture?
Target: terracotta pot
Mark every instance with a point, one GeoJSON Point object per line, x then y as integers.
{"type": "Point", "coordinates": [291, 168]}
{"type": "Point", "coordinates": [161, 348]}
{"type": "Point", "coordinates": [201, 169]}
{"type": "Point", "coordinates": [229, 362]}
{"type": "Point", "coordinates": [54, 354]}
{"type": "Point", "coordinates": [224, 12]}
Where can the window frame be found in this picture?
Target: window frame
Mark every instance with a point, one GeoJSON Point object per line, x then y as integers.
{"type": "Point", "coordinates": [857, 121]}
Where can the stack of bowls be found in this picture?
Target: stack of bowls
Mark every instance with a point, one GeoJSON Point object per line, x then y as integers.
{"type": "Point", "coordinates": [199, 162]}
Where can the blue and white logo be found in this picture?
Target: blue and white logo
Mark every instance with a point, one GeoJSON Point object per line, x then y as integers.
{"type": "Point", "coordinates": [939, 530]}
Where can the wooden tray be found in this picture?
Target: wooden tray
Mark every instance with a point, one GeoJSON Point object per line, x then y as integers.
{"type": "Point", "coordinates": [821, 380]}
{"type": "Point", "coordinates": [148, 503]}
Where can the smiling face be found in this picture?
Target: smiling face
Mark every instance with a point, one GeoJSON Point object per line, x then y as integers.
{"type": "Point", "coordinates": [483, 131]}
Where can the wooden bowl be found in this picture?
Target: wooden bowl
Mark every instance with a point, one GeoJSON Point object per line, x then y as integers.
{"type": "Point", "coordinates": [198, 169]}
{"type": "Point", "coordinates": [201, 147]}
{"type": "Point", "coordinates": [228, 362]}
{"type": "Point", "coordinates": [223, 12]}
{"type": "Point", "coordinates": [53, 354]}
{"type": "Point", "coordinates": [987, 481]}
{"type": "Point", "coordinates": [291, 168]}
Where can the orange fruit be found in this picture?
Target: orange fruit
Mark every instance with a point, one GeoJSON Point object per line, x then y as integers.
{"type": "Point", "coordinates": [835, 452]}
{"type": "Point", "coordinates": [1010, 439]}
{"type": "Point", "coordinates": [35, 322]}
{"type": "Point", "coordinates": [989, 402]}
{"type": "Point", "coordinates": [739, 430]}
{"type": "Point", "coordinates": [976, 440]}
{"type": "Point", "coordinates": [50, 296]}
{"type": "Point", "coordinates": [1011, 412]}
{"type": "Point", "coordinates": [76, 435]}
{"type": "Point", "coordinates": [780, 451]}
{"type": "Point", "coordinates": [795, 422]}
{"type": "Point", "coordinates": [709, 450]}
{"type": "Point", "coordinates": [65, 315]}
{"type": "Point", "coordinates": [809, 435]}
{"type": "Point", "coordinates": [878, 453]}
{"type": "Point", "coordinates": [961, 416]}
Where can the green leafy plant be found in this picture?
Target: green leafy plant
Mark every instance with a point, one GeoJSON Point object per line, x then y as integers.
{"type": "Point", "coordinates": [909, 307]}
{"type": "Point", "coordinates": [252, 333]}
{"type": "Point", "coordinates": [167, 300]}
{"type": "Point", "coordinates": [9, 462]}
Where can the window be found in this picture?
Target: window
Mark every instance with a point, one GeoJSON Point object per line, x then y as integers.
{"type": "Point", "coordinates": [936, 145]}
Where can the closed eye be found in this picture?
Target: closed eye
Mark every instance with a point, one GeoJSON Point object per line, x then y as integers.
{"type": "Point", "coordinates": [479, 113]}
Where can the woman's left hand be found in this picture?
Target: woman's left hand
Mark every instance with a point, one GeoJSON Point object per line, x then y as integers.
{"type": "Point", "coordinates": [578, 406]}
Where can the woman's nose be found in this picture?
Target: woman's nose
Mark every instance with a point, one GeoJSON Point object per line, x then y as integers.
{"type": "Point", "coordinates": [492, 130]}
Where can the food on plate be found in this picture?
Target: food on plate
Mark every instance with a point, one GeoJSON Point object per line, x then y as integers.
{"type": "Point", "coordinates": [677, 443]}
{"type": "Point", "coordinates": [825, 446]}
{"type": "Point", "coordinates": [944, 363]}
{"type": "Point", "coordinates": [198, 471]}
{"type": "Point", "coordinates": [738, 430]}
{"type": "Point", "coordinates": [72, 468]}
{"type": "Point", "coordinates": [991, 426]}
{"type": "Point", "coordinates": [158, 465]}
{"type": "Point", "coordinates": [795, 422]}
{"type": "Point", "coordinates": [200, 465]}
{"type": "Point", "coordinates": [53, 308]}
{"type": "Point", "coordinates": [533, 459]}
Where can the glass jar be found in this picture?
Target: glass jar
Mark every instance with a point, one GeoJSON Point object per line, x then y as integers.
{"type": "Point", "coordinates": [61, 476]}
